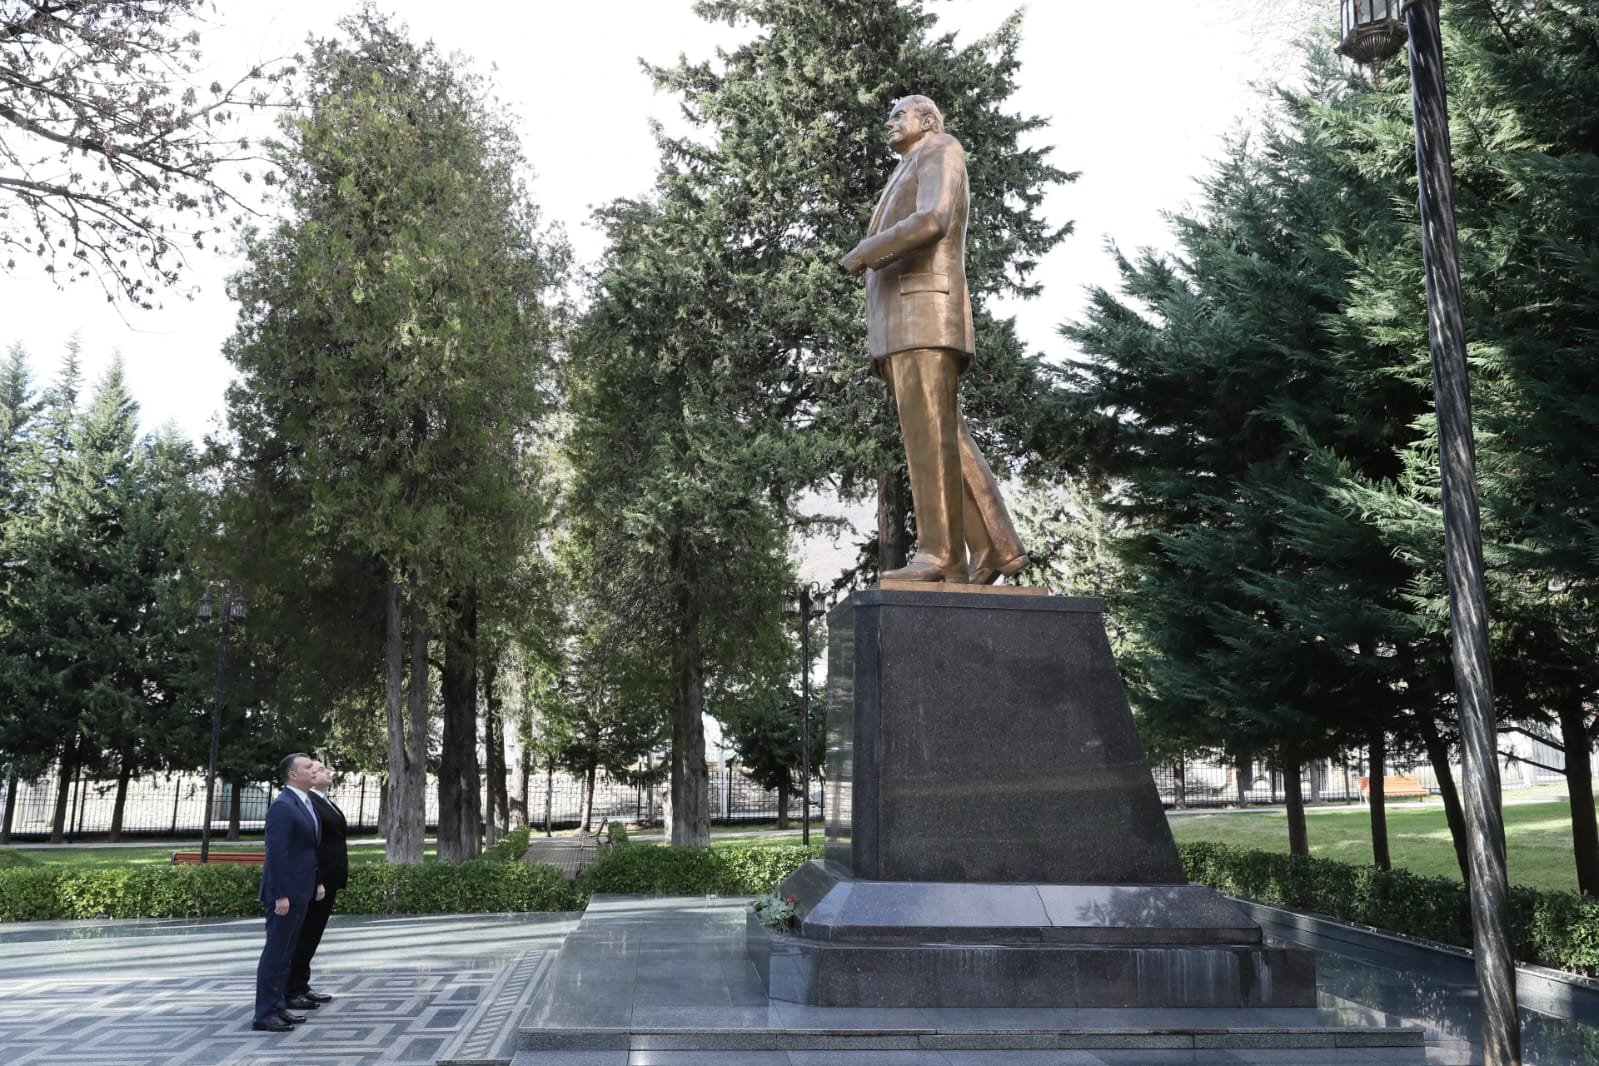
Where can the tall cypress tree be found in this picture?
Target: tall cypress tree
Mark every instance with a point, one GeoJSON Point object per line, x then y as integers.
{"type": "Point", "coordinates": [789, 153]}
{"type": "Point", "coordinates": [393, 341]}
{"type": "Point", "coordinates": [722, 369]}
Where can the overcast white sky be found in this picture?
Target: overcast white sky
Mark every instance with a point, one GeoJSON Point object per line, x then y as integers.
{"type": "Point", "coordinates": [1139, 96]}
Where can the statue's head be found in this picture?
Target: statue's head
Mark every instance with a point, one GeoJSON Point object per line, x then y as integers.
{"type": "Point", "coordinates": [909, 120]}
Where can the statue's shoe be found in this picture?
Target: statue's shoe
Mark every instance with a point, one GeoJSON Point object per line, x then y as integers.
{"type": "Point", "coordinates": [983, 574]}
{"type": "Point", "coordinates": [921, 571]}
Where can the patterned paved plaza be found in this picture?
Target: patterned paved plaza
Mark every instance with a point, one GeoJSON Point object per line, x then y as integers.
{"type": "Point", "coordinates": [408, 991]}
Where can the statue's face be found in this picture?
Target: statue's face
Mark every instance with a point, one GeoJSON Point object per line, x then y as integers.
{"type": "Point", "coordinates": [904, 128]}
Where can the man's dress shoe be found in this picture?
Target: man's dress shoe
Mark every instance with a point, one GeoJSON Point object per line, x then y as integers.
{"type": "Point", "coordinates": [291, 1018]}
{"type": "Point", "coordinates": [271, 1025]}
{"type": "Point", "coordinates": [313, 994]}
{"type": "Point", "coordinates": [303, 1002]}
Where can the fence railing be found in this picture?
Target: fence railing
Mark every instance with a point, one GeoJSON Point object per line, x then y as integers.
{"type": "Point", "coordinates": [174, 805]}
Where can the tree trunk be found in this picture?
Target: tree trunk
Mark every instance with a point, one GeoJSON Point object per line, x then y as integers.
{"type": "Point", "coordinates": [393, 815]}
{"type": "Point", "coordinates": [417, 692]}
{"type": "Point", "coordinates": [11, 808]}
{"type": "Point", "coordinates": [521, 769]}
{"type": "Point", "coordinates": [590, 774]}
{"type": "Point", "coordinates": [498, 821]}
{"type": "Point", "coordinates": [406, 708]}
{"type": "Point", "coordinates": [383, 808]}
{"type": "Point", "coordinates": [691, 816]}
{"type": "Point", "coordinates": [1298, 835]}
{"type": "Point", "coordinates": [1377, 766]}
{"type": "Point", "coordinates": [549, 795]}
{"type": "Point", "coordinates": [1579, 792]}
{"type": "Point", "coordinates": [235, 809]}
{"type": "Point", "coordinates": [893, 536]}
{"type": "Point", "coordinates": [69, 767]}
{"type": "Point", "coordinates": [1454, 813]}
{"type": "Point", "coordinates": [460, 784]}
{"type": "Point", "coordinates": [120, 804]}
{"type": "Point", "coordinates": [784, 790]}
{"type": "Point", "coordinates": [1243, 766]}
{"type": "Point", "coordinates": [1179, 776]}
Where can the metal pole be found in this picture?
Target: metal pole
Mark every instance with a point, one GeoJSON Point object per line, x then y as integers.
{"type": "Point", "coordinates": [216, 735]}
{"type": "Point", "coordinates": [1468, 611]}
{"type": "Point", "coordinates": [805, 714]}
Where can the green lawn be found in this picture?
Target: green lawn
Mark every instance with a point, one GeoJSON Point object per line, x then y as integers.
{"type": "Point", "coordinates": [161, 854]}
{"type": "Point", "coordinates": [1537, 837]}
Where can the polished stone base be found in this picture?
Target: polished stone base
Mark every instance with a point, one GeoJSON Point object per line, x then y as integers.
{"type": "Point", "coordinates": [983, 737]}
{"type": "Point", "coordinates": [994, 837]}
{"type": "Point", "coordinates": [652, 979]}
{"type": "Point", "coordinates": [928, 944]}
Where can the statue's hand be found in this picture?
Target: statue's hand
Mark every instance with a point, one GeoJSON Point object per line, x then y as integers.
{"type": "Point", "coordinates": [854, 262]}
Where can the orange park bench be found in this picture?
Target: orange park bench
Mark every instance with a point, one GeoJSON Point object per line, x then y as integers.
{"type": "Point", "coordinates": [224, 858]}
{"type": "Point", "coordinates": [1396, 786]}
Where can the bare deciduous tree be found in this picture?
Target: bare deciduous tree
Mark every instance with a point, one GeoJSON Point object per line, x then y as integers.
{"type": "Point", "coordinates": [110, 154]}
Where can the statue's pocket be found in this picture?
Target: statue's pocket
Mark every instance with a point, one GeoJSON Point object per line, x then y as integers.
{"type": "Point", "coordinates": [909, 283]}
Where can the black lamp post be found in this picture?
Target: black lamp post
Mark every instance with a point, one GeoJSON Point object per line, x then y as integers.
{"type": "Point", "coordinates": [810, 606]}
{"type": "Point", "coordinates": [232, 611]}
{"type": "Point", "coordinates": [1373, 32]}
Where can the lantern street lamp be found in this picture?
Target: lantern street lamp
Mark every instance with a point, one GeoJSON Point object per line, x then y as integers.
{"type": "Point", "coordinates": [1373, 33]}
{"type": "Point", "coordinates": [232, 611]}
{"type": "Point", "coordinates": [1373, 30]}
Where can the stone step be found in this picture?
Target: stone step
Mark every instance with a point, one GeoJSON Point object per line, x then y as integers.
{"type": "Point", "coordinates": [643, 975]}
{"type": "Point", "coordinates": [955, 1039]}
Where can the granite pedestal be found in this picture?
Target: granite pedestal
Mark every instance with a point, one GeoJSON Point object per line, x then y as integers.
{"type": "Point", "coordinates": [994, 837]}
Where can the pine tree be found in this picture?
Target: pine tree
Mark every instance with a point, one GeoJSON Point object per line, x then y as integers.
{"type": "Point", "coordinates": [1524, 91]}
{"type": "Point", "coordinates": [1234, 416]}
{"type": "Point", "coordinates": [100, 660]}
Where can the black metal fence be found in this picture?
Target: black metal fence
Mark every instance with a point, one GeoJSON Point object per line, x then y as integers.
{"type": "Point", "coordinates": [174, 805]}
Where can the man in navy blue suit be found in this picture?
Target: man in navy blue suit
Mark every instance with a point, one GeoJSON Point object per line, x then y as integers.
{"type": "Point", "coordinates": [288, 885]}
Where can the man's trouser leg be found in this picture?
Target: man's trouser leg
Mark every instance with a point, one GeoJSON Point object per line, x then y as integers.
{"type": "Point", "coordinates": [316, 921]}
{"type": "Point", "coordinates": [271, 973]}
{"type": "Point", "coordinates": [924, 381]}
{"type": "Point", "coordinates": [990, 534]}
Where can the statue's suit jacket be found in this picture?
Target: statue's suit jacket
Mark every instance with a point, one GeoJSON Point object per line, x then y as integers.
{"type": "Point", "coordinates": [916, 248]}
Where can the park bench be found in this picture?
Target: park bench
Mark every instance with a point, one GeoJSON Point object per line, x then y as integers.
{"type": "Point", "coordinates": [1396, 786]}
{"type": "Point", "coordinates": [570, 855]}
{"type": "Point", "coordinates": [220, 858]}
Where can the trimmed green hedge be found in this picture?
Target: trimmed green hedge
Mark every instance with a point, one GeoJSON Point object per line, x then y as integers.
{"type": "Point", "coordinates": [38, 893]}
{"type": "Point", "coordinates": [723, 871]}
{"type": "Point", "coordinates": [1555, 929]}
{"type": "Point", "coordinates": [510, 847]}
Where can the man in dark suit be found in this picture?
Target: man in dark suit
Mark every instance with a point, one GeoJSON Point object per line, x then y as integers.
{"type": "Point", "coordinates": [919, 336]}
{"type": "Point", "coordinates": [333, 871]}
{"type": "Point", "coordinates": [288, 885]}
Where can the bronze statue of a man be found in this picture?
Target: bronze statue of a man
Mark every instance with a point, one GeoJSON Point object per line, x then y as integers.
{"type": "Point", "coordinates": [919, 330]}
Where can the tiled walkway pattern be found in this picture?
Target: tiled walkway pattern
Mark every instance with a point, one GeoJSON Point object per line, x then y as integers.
{"type": "Point", "coordinates": [408, 992]}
